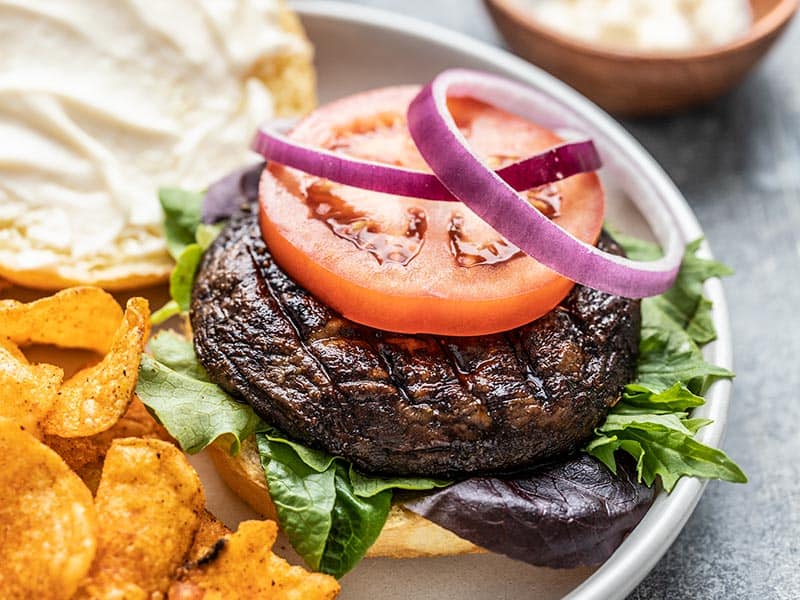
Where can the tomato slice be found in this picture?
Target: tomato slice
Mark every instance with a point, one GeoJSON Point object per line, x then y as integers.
{"type": "Point", "coordinates": [409, 265]}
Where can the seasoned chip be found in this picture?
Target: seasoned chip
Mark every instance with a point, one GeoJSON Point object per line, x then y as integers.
{"type": "Point", "coordinates": [95, 398]}
{"type": "Point", "coordinates": [210, 531]}
{"type": "Point", "coordinates": [79, 317]}
{"type": "Point", "coordinates": [138, 422]}
{"type": "Point", "coordinates": [242, 565]}
{"type": "Point", "coordinates": [9, 346]}
{"type": "Point", "coordinates": [85, 455]}
{"type": "Point", "coordinates": [27, 392]}
{"type": "Point", "coordinates": [149, 504]}
{"type": "Point", "coordinates": [47, 520]}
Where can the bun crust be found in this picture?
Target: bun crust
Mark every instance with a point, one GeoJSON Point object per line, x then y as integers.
{"type": "Point", "coordinates": [405, 535]}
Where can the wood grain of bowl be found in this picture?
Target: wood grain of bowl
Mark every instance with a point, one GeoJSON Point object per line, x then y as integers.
{"type": "Point", "coordinates": [635, 83]}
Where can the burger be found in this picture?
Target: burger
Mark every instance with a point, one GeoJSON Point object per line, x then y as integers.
{"type": "Point", "coordinates": [376, 357]}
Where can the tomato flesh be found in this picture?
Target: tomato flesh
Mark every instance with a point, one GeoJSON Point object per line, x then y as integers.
{"type": "Point", "coordinates": [409, 265]}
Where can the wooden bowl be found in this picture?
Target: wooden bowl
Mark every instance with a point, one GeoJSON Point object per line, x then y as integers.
{"type": "Point", "coordinates": [634, 83]}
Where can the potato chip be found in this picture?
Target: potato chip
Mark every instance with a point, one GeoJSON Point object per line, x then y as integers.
{"type": "Point", "coordinates": [242, 565]}
{"type": "Point", "coordinates": [208, 533]}
{"type": "Point", "coordinates": [138, 422]}
{"type": "Point", "coordinates": [79, 317]}
{"type": "Point", "coordinates": [85, 456]}
{"type": "Point", "coordinates": [47, 520]}
{"type": "Point", "coordinates": [95, 398]}
{"type": "Point", "coordinates": [27, 392]}
{"type": "Point", "coordinates": [149, 504]}
{"type": "Point", "coordinates": [13, 349]}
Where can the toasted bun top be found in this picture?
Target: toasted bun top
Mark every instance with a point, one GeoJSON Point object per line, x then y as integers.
{"type": "Point", "coordinates": [108, 104]}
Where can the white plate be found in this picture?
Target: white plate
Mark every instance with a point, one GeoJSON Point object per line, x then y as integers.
{"type": "Point", "coordinates": [359, 48]}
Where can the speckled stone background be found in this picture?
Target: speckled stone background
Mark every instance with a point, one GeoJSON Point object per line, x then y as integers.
{"type": "Point", "coordinates": [738, 164]}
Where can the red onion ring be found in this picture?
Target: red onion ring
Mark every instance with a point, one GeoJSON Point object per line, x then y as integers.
{"type": "Point", "coordinates": [555, 164]}
{"type": "Point", "coordinates": [464, 174]}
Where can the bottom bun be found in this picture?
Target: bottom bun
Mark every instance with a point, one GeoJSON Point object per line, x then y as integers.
{"type": "Point", "coordinates": [405, 534]}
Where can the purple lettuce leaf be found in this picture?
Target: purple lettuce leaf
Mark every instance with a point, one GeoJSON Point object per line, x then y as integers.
{"type": "Point", "coordinates": [566, 514]}
{"type": "Point", "coordinates": [227, 195]}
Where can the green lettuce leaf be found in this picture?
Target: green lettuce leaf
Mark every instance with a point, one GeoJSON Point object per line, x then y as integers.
{"type": "Point", "coordinates": [701, 325]}
{"type": "Point", "coordinates": [187, 240]}
{"type": "Point", "coordinates": [635, 248]}
{"type": "Point", "coordinates": [617, 421]}
{"type": "Point", "coordinates": [206, 234]}
{"type": "Point", "coordinates": [603, 448]}
{"type": "Point", "coordinates": [330, 512]}
{"type": "Point", "coordinates": [364, 486]}
{"type": "Point", "coordinates": [327, 523]}
{"type": "Point", "coordinates": [684, 303]}
{"type": "Point", "coordinates": [318, 460]}
{"type": "Point", "coordinates": [181, 217]}
{"type": "Point", "coordinates": [356, 524]}
{"type": "Point", "coordinates": [170, 309]}
{"type": "Point", "coordinates": [367, 486]}
{"type": "Point", "coordinates": [695, 425]}
{"type": "Point", "coordinates": [304, 497]}
{"type": "Point", "coordinates": [683, 307]}
{"type": "Point", "coordinates": [181, 281]}
{"type": "Point", "coordinates": [665, 452]}
{"type": "Point", "coordinates": [175, 351]}
{"type": "Point", "coordinates": [666, 358]}
{"type": "Point", "coordinates": [675, 398]}
{"type": "Point", "coordinates": [194, 412]}
{"type": "Point", "coordinates": [652, 422]}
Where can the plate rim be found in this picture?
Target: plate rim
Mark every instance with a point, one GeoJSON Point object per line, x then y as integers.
{"type": "Point", "coordinates": [645, 546]}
